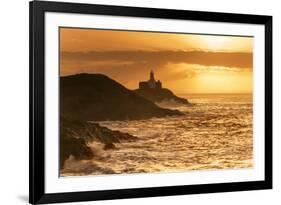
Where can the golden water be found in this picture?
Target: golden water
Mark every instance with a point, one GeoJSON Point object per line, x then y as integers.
{"type": "Point", "coordinates": [215, 133]}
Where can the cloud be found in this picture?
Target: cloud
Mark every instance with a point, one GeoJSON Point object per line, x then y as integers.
{"type": "Point", "coordinates": [160, 58]}
{"type": "Point", "coordinates": [130, 67]}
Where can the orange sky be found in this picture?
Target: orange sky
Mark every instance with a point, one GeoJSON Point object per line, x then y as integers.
{"type": "Point", "coordinates": [185, 63]}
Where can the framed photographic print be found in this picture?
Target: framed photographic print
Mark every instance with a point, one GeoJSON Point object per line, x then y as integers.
{"type": "Point", "coordinates": [140, 102]}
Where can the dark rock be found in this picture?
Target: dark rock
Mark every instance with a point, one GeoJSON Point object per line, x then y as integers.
{"type": "Point", "coordinates": [95, 97]}
{"type": "Point", "coordinates": [70, 145]}
{"type": "Point", "coordinates": [109, 146]}
{"type": "Point", "coordinates": [76, 135]}
{"type": "Point", "coordinates": [160, 95]}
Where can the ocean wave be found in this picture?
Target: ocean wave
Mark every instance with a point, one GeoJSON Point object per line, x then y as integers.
{"type": "Point", "coordinates": [209, 136]}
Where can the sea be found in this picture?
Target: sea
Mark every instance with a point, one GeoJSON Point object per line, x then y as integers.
{"type": "Point", "coordinates": [216, 132]}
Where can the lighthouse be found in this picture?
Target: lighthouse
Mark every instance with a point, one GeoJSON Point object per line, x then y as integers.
{"type": "Point", "coordinates": [151, 83]}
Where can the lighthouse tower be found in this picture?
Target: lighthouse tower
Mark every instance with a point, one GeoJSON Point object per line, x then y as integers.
{"type": "Point", "coordinates": [151, 83]}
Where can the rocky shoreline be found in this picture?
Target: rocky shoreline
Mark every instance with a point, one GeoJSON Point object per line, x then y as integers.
{"type": "Point", "coordinates": [76, 135]}
{"type": "Point", "coordinates": [96, 97]}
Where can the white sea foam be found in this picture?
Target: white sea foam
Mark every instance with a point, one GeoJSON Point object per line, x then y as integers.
{"type": "Point", "coordinates": [214, 133]}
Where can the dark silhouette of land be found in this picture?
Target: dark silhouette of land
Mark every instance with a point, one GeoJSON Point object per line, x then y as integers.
{"type": "Point", "coordinates": [96, 97]}
{"type": "Point", "coordinates": [152, 90]}
{"type": "Point", "coordinates": [158, 95]}
{"type": "Point", "coordinates": [75, 136]}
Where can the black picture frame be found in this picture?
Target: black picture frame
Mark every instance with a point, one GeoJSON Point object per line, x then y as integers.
{"type": "Point", "coordinates": [37, 194]}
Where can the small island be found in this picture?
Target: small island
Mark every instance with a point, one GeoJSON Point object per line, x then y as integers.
{"type": "Point", "coordinates": [152, 90]}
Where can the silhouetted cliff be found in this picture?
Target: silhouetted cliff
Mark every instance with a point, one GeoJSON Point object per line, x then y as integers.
{"type": "Point", "coordinates": [96, 97]}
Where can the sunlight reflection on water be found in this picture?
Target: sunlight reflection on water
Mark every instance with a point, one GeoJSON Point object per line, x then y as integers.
{"type": "Point", "coordinates": [215, 133]}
